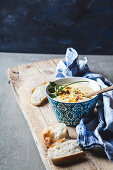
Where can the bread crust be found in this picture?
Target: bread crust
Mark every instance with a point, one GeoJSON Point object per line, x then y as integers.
{"type": "Point", "coordinates": [58, 142]}
{"type": "Point", "coordinates": [68, 155]}
{"type": "Point", "coordinates": [49, 139]}
{"type": "Point", "coordinates": [67, 159]}
{"type": "Point", "coordinates": [41, 101]}
{"type": "Point", "coordinates": [38, 104]}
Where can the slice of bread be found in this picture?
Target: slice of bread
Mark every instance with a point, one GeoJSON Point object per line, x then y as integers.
{"type": "Point", "coordinates": [58, 142]}
{"type": "Point", "coordinates": [38, 95]}
{"type": "Point", "coordinates": [52, 133]}
{"type": "Point", "coordinates": [65, 152]}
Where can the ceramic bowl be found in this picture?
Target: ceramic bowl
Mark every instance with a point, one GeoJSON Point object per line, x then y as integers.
{"type": "Point", "coordinates": [71, 113]}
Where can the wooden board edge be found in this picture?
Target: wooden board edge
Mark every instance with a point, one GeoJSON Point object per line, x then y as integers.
{"type": "Point", "coordinates": [33, 63]}
{"type": "Point", "coordinates": [37, 142]}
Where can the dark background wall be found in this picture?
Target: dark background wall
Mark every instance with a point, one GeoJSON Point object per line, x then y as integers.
{"type": "Point", "coordinates": [50, 26]}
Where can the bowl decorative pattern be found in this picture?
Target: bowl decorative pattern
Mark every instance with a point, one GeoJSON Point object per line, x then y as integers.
{"type": "Point", "coordinates": [71, 113]}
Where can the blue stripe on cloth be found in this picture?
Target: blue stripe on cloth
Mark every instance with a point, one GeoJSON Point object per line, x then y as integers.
{"type": "Point", "coordinates": [92, 131]}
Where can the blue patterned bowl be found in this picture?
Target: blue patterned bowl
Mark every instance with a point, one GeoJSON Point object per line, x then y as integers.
{"type": "Point", "coordinates": [71, 113]}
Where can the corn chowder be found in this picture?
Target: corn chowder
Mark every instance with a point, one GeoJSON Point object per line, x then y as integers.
{"type": "Point", "coordinates": [75, 93]}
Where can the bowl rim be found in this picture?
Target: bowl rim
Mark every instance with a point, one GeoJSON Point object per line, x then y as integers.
{"type": "Point", "coordinates": [72, 102]}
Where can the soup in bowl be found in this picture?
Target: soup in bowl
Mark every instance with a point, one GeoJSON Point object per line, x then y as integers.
{"type": "Point", "coordinates": [68, 98]}
{"type": "Point", "coordinates": [74, 93]}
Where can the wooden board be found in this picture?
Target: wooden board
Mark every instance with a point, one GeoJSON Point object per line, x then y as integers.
{"type": "Point", "coordinates": [23, 79]}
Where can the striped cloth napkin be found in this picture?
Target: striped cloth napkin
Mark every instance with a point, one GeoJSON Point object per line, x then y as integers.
{"type": "Point", "coordinates": [92, 131]}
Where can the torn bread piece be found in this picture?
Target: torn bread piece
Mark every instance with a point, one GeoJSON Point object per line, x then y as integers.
{"type": "Point", "coordinates": [52, 133]}
{"type": "Point", "coordinates": [65, 152]}
{"type": "Point", "coordinates": [38, 95]}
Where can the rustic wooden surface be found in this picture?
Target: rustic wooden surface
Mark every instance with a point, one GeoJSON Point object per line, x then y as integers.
{"type": "Point", "coordinates": [23, 79]}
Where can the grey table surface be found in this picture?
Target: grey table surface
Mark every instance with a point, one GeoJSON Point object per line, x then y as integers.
{"type": "Point", "coordinates": [17, 148]}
